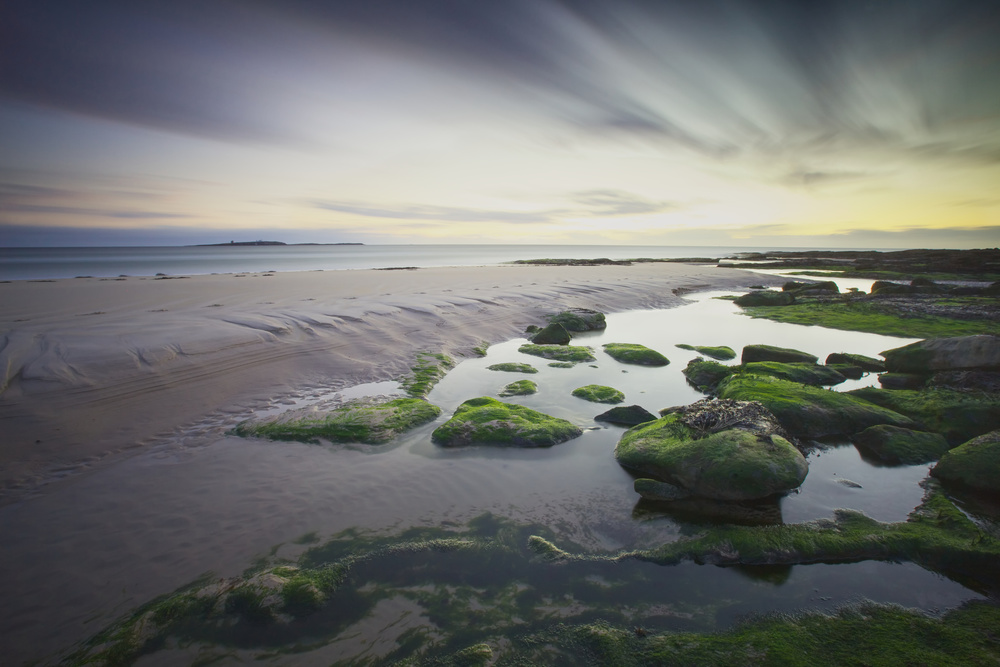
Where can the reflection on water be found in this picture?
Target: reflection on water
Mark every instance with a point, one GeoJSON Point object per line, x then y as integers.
{"type": "Point", "coordinates": [94, 547]}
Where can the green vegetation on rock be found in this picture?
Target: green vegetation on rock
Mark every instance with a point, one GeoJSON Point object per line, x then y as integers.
{"type": "Point", "coordinates": [765, 298]}
{"type": "Point", "coordinates": [627, 415]}
{"type": "Point", "coordinates": [487, 421]}
{"type": "Point", "coordinates": [558, 352]}
{"type": "Point", "coordinates": [562, 364]}
{"type": "Point", "coordinates": [579, 319]}
{"type": "Point", "coordinates": [364, 421]}
{"type": "Point", "coordinates": [553, 334]}
{"type": "Point", "coordinates": [974, 464]}
{"type": "Point", "coordinates": [633, 353]}
{"type": "Point", "coordinates": [773, 353]}
{"type": "Point", "coordinates": [891, 444]}
{"type": "Point", "coordinates": [509, 367]}
{"type": "Point", "coordinates": [430, 368]}
{"type": "Point", "coordinates": [706, 375]}
{"type": "Point", "coordinates": [945, 354]}
{"type": "Point", "coordinates": [721, 352]}
{"type": "Point", "coordinates": [596, 393]}
{"type": "Point", "coordinates": [865, 363]}
{"type": "Point", "coordinates": [519, 388]}
{"type": "Point", "coordinates": [803, 373]}
{"type": "Point", "coordinates": [957, 415]}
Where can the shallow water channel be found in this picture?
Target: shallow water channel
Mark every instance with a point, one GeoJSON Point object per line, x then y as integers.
{"type": "Point", "coordinates": [97, 546]}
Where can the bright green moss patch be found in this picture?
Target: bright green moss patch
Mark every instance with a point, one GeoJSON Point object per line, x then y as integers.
{"type": "Point", "coordinates": [597, 393]}
{"type": "Point", "coordinates": [802, 373]}
{"type": "Point", "coordinates": [487, 421]}
{"type": "Point", "coordinates": [572, 353]}
{"type": "Point", "coordinates": [480, 350]}
{"type": "Point", "coordinates": [519, 388]}
{"type": "Point", "coordinates": [430, 368]}
{"type": "Point", "coordinates": [633, 353]}
{"type": "Point", "coordinates": [706, 375]}
{"type": "Point", "coordinates": [721, 352]}
{"type": "Point", "coordinates": [513, 368]}
{"type": "Point", "coordinates": [957, 415]}
{"type": "Point", "coordinates": [358, 421]}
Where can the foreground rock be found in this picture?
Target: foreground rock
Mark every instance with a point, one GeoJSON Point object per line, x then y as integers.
{"type": "Point", "coordinates": [487, 421]}
{"type": "Point", "coordinates": [945, 354]}
{"type": "Point", "coordinates": [626, 415]}
{"type": "Point", "coordinates": [974, 464]}
{"type": "Point", "coordinates": [633, 353]}
{"type": "Point", "coordinates": [554, 334]}
{"type": "Point", "coordinates": [365, 421]}
{"type": "Point", "coordinates": [580, 319]}
{"type": "Point", "coordinates": [781, 354]}
{"type": "Point", "coordinates": [957, 415]}
{"type": "Point", "coordinates": [894, 445]}
{"type": "Point", "coordinates": [726, 450]}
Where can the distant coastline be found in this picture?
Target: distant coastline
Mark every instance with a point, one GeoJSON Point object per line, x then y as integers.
{"type": "Point", "coordinates": [255, 243]}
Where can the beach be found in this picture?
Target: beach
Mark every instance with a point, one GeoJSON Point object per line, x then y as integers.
{"type": "Point", "coordinates": [97, 367]}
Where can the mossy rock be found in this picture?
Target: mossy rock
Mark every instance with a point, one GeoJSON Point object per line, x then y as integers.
{"type": "Point", "coordinates": [580, 319]}
{"type": "Point", "coordinates": [894, 445]}
{"type": "Point", "coordinates": [810, 412]}
{"type": "Point", "coordinates": [980, 352]}
{"type": "Point", "coordinates": [974, 464]}
{"type": "Point", "coordinates": [554, 334]}
{"type": "Point", "coordinates": [723, 460]}
{"type": "Point", "coordinates": [848, 371]}
{"type": "Point", "coordinates": [597, 393]}
{"type": "Point", "coordinates": [429, 369]}
{"type": "Point", "coordinates": [785, 355]}
{"type": "Point", "coordinates": [558, 352]}
{"type": "Point", "coordinates": [886, 288]}
{"type": "Point", "coordinates": [562, 364]}
{"type": "Point", "coordinates": [508, 367]}
{"type": "Point", "coordinates": [902, 380]}
{"type": "Point", "coordinates": [870, 364]}
{"type": "Point", "coordinates": [519, 388]}
{"type": "Point", "coordinates": [765, 298]}
{"type": "Point", "coordinates": [627, 415]}
{"type": "Point", "coordinates": [803, 373]}
{"type": "Point", "coordinates": [363, 421]}
{"type": "Point", "coordinates": [706, 375]}
{"type": "Point", "coordinates": [487, 421]}
{"type": "Point", "coordinates": [957, 415]}
{"type": "Point", "coordinates": [633, 353]}
{"type": "Point", "coordinates": [721, 352]}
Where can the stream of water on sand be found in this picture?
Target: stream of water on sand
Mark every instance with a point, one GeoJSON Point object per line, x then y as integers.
{"type": "Point", "coordinates": [96, 546]}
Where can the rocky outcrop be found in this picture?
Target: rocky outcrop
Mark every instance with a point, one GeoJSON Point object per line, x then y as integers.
{"type": "Point", "coordinates": [487, 421]}
{"type": "Point", "coordinates": [894, 445]}
{"type": "Point", "coordinates": [772, 353]}
{"type": "Point", "coordinates": [974, 464]}
{"type": "Point", "coordinates": [945, 354]}
{"type": "Point", "coordinates": [553, 334]}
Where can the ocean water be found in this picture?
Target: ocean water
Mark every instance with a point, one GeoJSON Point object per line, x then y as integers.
{"type": "Point", "coordinates": [49, 263]}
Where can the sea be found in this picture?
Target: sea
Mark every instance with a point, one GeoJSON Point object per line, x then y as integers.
{"type": "Point", "coordinates": [49, 263]}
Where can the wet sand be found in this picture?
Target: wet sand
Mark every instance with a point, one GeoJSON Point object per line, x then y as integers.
{"type": "Point", "coordinates": [92, 367]}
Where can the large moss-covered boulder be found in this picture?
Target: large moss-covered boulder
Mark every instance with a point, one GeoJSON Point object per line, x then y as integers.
{"type": "Point", "coordinates": [974, 464]}
{"type": "Point", "coordinates": [957, 415]}
{"type": "Point", "coordinates": [519, 388]}
{"type": "Point", "coordinates": [626, 415]}
{"type": "Point", "coordinates": [598, 393]}
{"type": "Point", "coordinates": [720, 352]}
{"type": "Point", "coordinates": [765, 298]}
{"type": "Point", "coordinates": [580, 319]}
{"type": "Point", "coordinates": [784, 355]}
{"type": "Point", "coordinates": [810, 412]}
{"type": "Point", "coordinates": [633, 353]}
{"type": "Point", "coordinates": [572, 353]}
{"type": "Point", "coordinates": [553, 334]}
{"type": "Point", "coordinates": [366, 421]}
{"type": "Point", "coordinates": [487, 421]}
{"type": "Point", "coordinates": [848, 371]}
{"type": "Point", "coordinates": [726, 450]}
{"type": "Point", "coordinates": [803, 373]}
{"type": "Point", "coordinates": [902, 380]}
{"type": "Point", "coordinates": [706, 375]}
{"type": "Point", "coordinates": [894, 445]}
{"type": "Point", "coordinates": [945, 354]}
{"type": "Point", "coordinates": [870, 364]}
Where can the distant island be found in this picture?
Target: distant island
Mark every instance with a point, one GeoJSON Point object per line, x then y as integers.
{"type": "Point", "coordinates": [244, 243]}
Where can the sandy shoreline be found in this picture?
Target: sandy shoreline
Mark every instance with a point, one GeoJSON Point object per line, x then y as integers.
{"type": "Point", "coordinates": [93, 367]}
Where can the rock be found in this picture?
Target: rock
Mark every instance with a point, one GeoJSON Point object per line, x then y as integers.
{"type": "Point", "coordinates": [849, 372]}
{"type": "Point", "coordinates": [803, 373]}
{"type": "Point", "coordinates": [884, 287]}
{"type": "Point", "coordinates": [580, 319]}
{"type": "Point", "coordinates": [765, 298]}
{"type": "Point", "coordinates": [532, 329]}
{"type": "Point", "coordinates": [894, 445]}
{"type": "Point", "coordinates": [726, 450]}
{"type": "Point", "coordinates": [721, 352]}
{"type": "Point", "coordinates": [627, 415]}
{"type": "Point", "coordinates": [487, 421]}
{"type": "Point", "coordinates": [967, 380]}
{"type": "Point", "coordinates": [519, 388]}
{"type": "Point", "coordinates": [597, 393]}
{"type": "Point", "coordinates": [558, 352]}
{"type": "Point", "coordinates": [823, 287]}
{"type": "Point", "coordinates": [772, 353]}
{"type": "Point", "coordinates": [513, 368]}
{"type": "Point", "coordinates": [705, 375]}
{"type": "Point", "coordinates": [651, 489]}
{"type": "Point", "coordinates": [902, 381]}
{"type": "Point", "coordinates": [632, 353]}
{"type": "Point", "coordinates": [980, 352]}
{"type": "Point", "coordinates": [860, 360]}
{"type": "Point", "coordinates": [793, 285]}
{"type": "Point", "coordinates": [562, 364]}
{"type": "Point", "coordinates": [553, 334]}
{"type": "Point", "coordinates": [810, 412]}
{"type": "Point", "coordinates": [974, 464]}
{"type": "Point", "coordinates": [957, 415]}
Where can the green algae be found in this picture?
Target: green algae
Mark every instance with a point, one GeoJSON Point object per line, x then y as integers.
{"type": "Point", "coordinates": [706, 375]}
{"type": "Point", "coordinates": [361, 421]}
{"type": "Point", "coordinates": [720, 352]}
{"type": "Point", "coordinates": [596, 393]}
{"type": "Point", "coordinates": [957, 415]}
{"type": "Point", "coordinates": [579, 319]}
{"type": "Point", "coordinates": [974, 464]}
{"type": "Point", "coordinates": [480, 350]}
{"type": "Point", "coordinates": [562, 364]}
{"type": "Point", "coordinates": [519, 388]}
{"type": "Point", "coordinates": [633, 353]}
{"type": "Point", "coordinates": [572, 353]}
{"type": "Point", "coordinates": [509, 367]}
{"type": "Point", "coordinates": [768, 298]}
{"type": "Point", "coordinates": [810, 374]}
{"type": "Point", "coordinates": [553, 334]}
{"type": "Point", "coordinates": [487, 421]}
{"type": "Point", "coordinates": [429, 369]}
{"type": "Point", "coordinates": [785, 355]}
{"type": "Point", "coordinates": [859, 360]}
{"type": "Point", "coordinates": [893, 445]}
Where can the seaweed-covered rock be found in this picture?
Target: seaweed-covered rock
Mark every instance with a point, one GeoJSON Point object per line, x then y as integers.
{"type": "Point", "coordinates": [366, 421]}
{"type": "Point", "coordinates": [772, 353]}
{"type": "Point", "coordinates": [519, 388]}
{"type": "Point", "coordinates": [810, 412]}
{"type": "Point", "coordinates": [870, 364]}
{"type": "Point", "coordinates": [727, 450]}
{"type": "Point", "coordinates": [487, 421]}
{"type": "Point", "coordinates": [891, 444]}
{"type": "Point", "coordinates": [553, 334]}
{"type": "Point", "coordinates": [633, 353]}
{"type": "Point", "coordinates": [626, 415]}
{"type": "Point", "coordinates": [509, 367]}
{"type": "Point", "coordinates": [803, 373]}
{"type": "Point", "coordinates": [902, 381]}
{"type": "Point", "coordinates": [885, 287]}
{"type": "Point", "coordinates": [562, 364]}
{"type": "Point", "coordinates": [945, 354]}
{"type": "Point", "coordinates": [580, 319]}
{"type": "Point", "coordinates": [597, 393]}
{"type": "Point", "coordinates": [823, 287]}
{"type": "Point", "coordinates": [721, 352]}
{"type": "Point", "coordinates": [572, 353]}
{"type": "Point", "coordinates": [793, 286]}
{"type": "Point", "coordinates": [652, 489]}
{"type": "Point", "coordinates": [848, 371]}
{"type": "Point", "coordinates": [957, 415]}
{"type": "Point", "coordinates": [705, 375]}
{"type": "Point", "coordinates": [967, 380]}
{"type": "Point", "coordinates": [765, 298]}
{"type": "Point", "coordinates": [974, 464]}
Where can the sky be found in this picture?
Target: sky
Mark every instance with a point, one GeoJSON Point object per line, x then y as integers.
{"type": "Point", "coordinates": [720, 122]}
